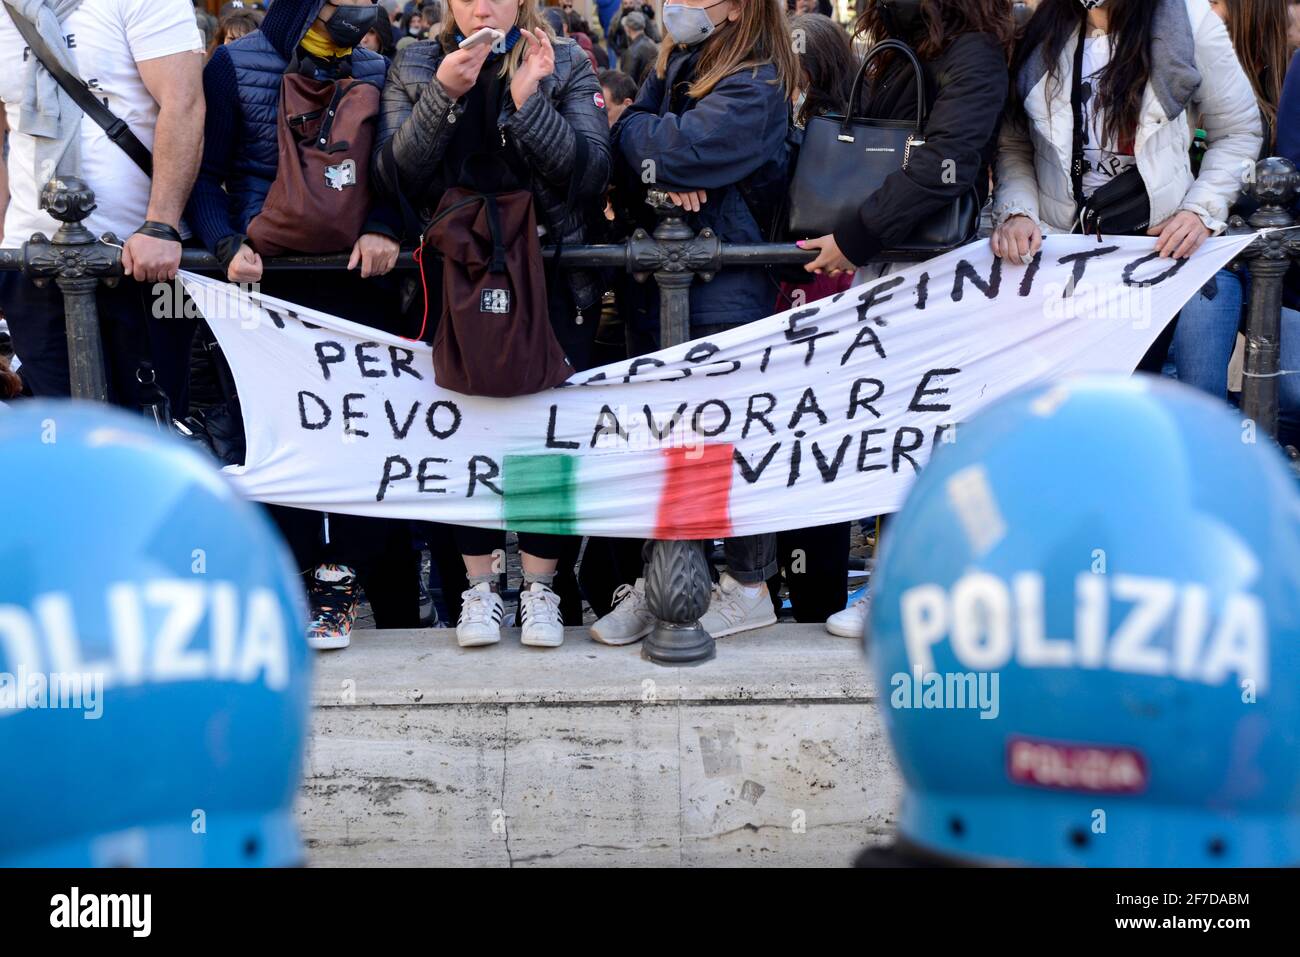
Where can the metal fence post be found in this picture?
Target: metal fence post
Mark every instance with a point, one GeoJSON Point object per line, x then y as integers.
{"type": "Point", "coordinates": [76, 261]}
{"type": "Point", "coordinates": [1268, 258]}
{"type": "Point", "coordinates": [677, 576]}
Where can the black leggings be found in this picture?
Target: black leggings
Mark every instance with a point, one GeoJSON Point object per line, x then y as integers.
{"type": "Point", "coordinates": [484, 541]}
{"type": "Point", "coordinates": [576, 338]}
{"type": "Point", "coordinates": [816, 566]}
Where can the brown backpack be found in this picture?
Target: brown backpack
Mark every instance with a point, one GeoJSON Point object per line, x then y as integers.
{"type": "Point", "coordinates": [321, 195]}
{"type": "Point", "coordinates": [495, 336]}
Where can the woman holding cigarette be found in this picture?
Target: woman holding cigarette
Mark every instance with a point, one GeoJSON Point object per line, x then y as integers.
{"type": "Point", "coordinates": [512, 107]}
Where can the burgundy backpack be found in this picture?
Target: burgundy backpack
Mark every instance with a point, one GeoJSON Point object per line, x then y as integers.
{"type": "Point", "coordinates": [321, 195]}
{"type": "Point", "coordinates": [495, 336]}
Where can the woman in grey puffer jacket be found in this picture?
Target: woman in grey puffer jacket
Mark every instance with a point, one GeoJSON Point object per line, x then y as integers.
{"type": "Point", "coordinates": [420, 116]}
{"type": "Point", "coordinates": [526, 111]}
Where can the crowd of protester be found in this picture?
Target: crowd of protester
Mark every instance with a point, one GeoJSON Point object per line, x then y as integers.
{"type": "Point", "coordinates": [1181, 97]}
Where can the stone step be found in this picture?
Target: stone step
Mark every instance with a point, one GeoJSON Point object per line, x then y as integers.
{"type": "Point", "coordinates": [424, 753]}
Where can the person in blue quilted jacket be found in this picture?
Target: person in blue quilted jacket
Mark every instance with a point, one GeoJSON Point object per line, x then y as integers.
{"type": "Point", "coordinates": [339, 554]}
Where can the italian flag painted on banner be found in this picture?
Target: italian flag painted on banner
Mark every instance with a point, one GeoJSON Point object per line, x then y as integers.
{"type": "Point", "coordinates": [542, 493]}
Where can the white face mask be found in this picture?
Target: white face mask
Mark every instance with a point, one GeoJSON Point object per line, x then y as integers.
{"type": "Point", "coordinates": [1092, 4]}
{"type": "Point", "coordinates": [689, 25]}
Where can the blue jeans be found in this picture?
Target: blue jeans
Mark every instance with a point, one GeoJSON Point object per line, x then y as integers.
{"type": "Point", "coordinates": [1206, 334]}
{"type": "Point", "coordinates": [751, 559]}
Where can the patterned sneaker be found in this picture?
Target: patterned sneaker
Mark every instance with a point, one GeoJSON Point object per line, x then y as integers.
{"type": "Point", "coordinates": [850, 622]}
{"type": "Point", "coordinates": [332, 593]}
{"type": "Point", "coordinates": [733, 610]}
{"type": "Point", "coordinates": [539, 613]}
{"type": "Point", "coordinates": [629, 620]}
{"type": "Point", "coordinates": [481, 611]}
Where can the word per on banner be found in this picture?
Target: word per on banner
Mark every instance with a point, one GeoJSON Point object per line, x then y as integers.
{"type": "Point", "coordinates": [819, 414]}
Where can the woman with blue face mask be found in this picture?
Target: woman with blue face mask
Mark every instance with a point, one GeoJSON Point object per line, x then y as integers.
{"type": "Point", "coordinates": [709, 127]}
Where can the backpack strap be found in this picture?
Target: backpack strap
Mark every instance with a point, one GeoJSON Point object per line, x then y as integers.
{"type": "Point", "coordinates": [411, 225]}
{"type": "Point", "coordinates": [498, 263]}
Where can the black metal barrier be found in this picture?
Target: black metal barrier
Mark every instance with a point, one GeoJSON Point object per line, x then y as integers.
{"type": "Point", "coordinates": [677, 575]}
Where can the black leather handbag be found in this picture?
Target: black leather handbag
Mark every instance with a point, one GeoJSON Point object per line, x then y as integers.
{"type": "Point", "coordinates": [844, 160]}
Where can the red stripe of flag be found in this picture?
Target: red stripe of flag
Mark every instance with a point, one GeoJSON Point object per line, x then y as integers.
{"type": "Point", "coordinates": [696, 497]}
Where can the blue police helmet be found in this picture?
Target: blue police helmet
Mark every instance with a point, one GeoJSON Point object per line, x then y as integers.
{"type": "Point", "coordinates": [1086, 633]}
{"type": "Point", "coordinates": [154, 675]}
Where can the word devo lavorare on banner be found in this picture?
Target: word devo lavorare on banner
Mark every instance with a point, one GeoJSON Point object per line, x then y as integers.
{"type": "Point", "coordinates": [819, 414]}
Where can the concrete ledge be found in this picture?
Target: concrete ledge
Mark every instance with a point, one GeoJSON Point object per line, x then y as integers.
{"type": "Point", "coordinates": [424, 753]}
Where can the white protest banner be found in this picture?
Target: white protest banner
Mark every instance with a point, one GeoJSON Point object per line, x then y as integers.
{"type": "Point", "coordinates": [820, 414]}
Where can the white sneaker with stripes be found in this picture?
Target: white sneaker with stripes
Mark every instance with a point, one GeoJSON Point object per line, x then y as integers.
{"type": "Point", "coordinates": [539, 614]}
{"type": "Point", "coordinates": [481, 610]}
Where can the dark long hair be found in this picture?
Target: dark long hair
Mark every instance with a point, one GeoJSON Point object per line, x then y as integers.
{"type": "Point", "coordinates": [1123, 81]}
{"type": "Point", "coordinates": [943, 22]}
{"type": "Point", "coordinates": [827, 59]}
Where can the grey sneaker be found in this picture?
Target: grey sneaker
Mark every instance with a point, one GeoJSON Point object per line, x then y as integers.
{"type": "Point", "coordinates": [629, 620]}
{"type": "Point", "coordinates": [732, 611]}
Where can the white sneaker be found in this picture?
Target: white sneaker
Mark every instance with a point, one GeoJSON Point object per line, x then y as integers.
{"type": "Point", "coordinates": [481, 610]}
{"type": "Point", "coordinates": [539, 613]}
{"type": "Point", "coordinates": [732, 610]}
{"type": "Point", "coordinates": [850, 622]}
{"type": "Point", "coordinates": [629, 620]}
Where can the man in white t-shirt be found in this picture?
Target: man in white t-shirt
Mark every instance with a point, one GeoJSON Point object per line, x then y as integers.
{"type": "Point", "coordinates": [144, 58]}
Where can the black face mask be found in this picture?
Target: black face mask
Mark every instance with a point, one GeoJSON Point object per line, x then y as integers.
{"type": "Point", "coordinates": [350, 24]}
{"type": "Point", "coordinates": [901, 17]}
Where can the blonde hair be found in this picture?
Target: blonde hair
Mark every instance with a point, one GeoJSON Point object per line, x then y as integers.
{"type": "Point", "coordinates": [761, 35]}
{"type": "Point", "coordinates": [528, 17]}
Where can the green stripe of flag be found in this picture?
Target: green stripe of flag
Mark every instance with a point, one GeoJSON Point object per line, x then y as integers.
{"type": "Point", "coordinates": [541, 494]}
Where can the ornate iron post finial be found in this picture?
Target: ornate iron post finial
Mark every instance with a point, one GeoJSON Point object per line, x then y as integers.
{"type": "Point", "coordinates": [76, 261]}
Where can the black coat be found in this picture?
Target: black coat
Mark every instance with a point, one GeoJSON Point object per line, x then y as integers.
{"type": "Point", "coordinates": [420, 119]}
{"type": "Point", "coordinates": [966, 89]}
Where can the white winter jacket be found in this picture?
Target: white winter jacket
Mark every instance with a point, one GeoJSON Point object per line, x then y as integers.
{"type": "Point", "coordinates": [1194, 74]}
